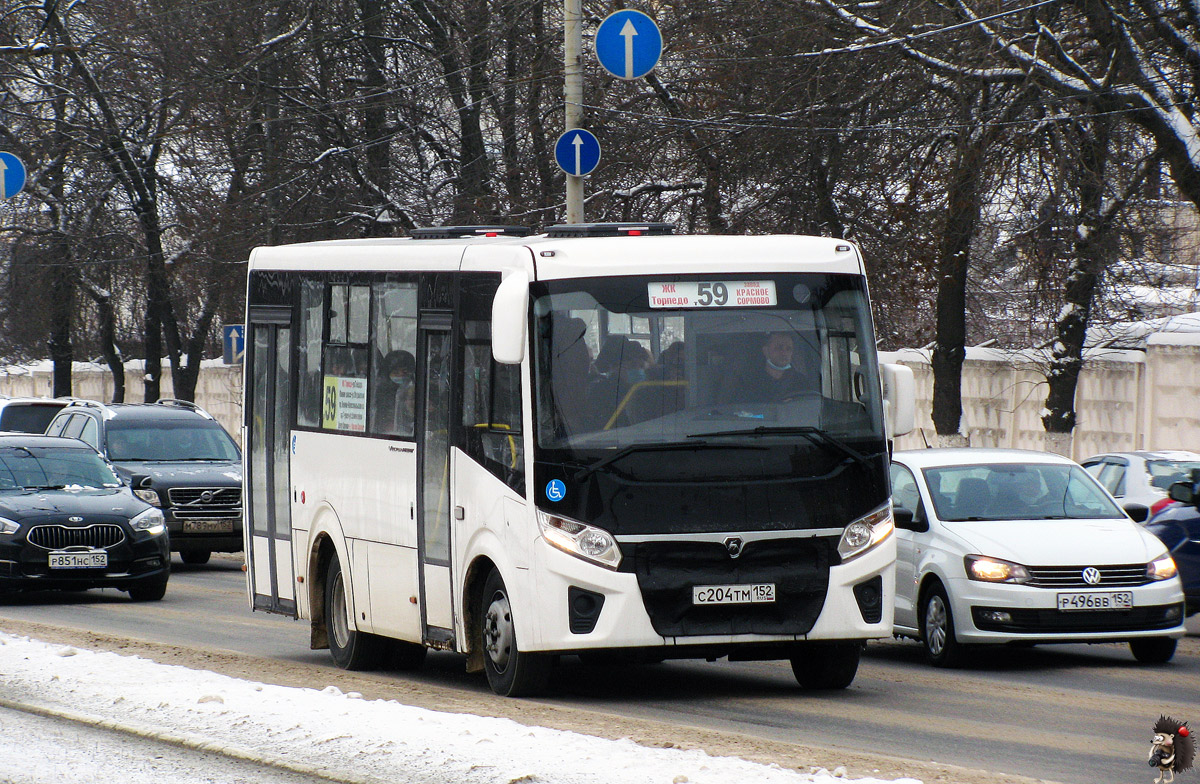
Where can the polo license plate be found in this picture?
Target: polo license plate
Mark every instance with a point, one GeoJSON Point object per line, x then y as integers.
{"type": "Point", "coordinates": [1115, 600]}
{"type": "Point", "coordinates": [89, 559]}
{"type": "Point", "coordinates": [207, 526]}
{"type": "Point", "coordinates": [733, 594]}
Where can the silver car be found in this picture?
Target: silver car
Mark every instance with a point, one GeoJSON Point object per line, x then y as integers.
{"type": "Point", "coordinates": [1142, 477]}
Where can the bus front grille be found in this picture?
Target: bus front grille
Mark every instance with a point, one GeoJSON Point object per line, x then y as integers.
{"type": "Point", "coordinates": [798, 568]}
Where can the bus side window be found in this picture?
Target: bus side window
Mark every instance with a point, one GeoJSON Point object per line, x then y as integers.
{"type": "Point", "coordinates": [393, 377]}
{"type": "Point", "coordinates": [312, 314]}
{"type": "Point", "coordinates": [491, 404]}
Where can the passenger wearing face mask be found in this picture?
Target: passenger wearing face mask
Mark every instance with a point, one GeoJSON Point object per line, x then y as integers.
{"type": "Point", "coordinates": [774, 376]}
{"type": "Point", "coordinates": [395, 394]}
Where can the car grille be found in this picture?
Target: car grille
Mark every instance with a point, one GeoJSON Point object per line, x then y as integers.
{"type": "Point", "coordinates": [59, 537]}
{"type": "Point", "coordinates": [1138, 619]}
{"type": "Point", "coordinates": [205, 503]}
{"type": "Point", "coordinates": [1072, 576]}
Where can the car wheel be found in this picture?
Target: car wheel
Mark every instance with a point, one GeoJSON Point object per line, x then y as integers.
{"type": "Point", "coordinates": [148, 592]}
{"type": "Point", "coordinates": [1153, 650]}
{"type": "Point", "coordinates": [511, 672]}
{"type": "Point", "coordinates": [351, 649]}
{"type": "Point", "coordinates": [826, 665]}
{"type": "Point", "coordinates": [195, 557]}
{"type": "Point", "coordinates": [942, 648]}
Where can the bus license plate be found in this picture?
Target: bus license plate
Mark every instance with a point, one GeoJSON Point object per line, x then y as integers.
{"type": "Point", "coordinates": [207, 526]}
{"type": "Point", "coordinates": [733, 594]}
{"type": "Point", "coordinates": [92, 559]}
{"type": "Point", "coordinates": [1117, 600]}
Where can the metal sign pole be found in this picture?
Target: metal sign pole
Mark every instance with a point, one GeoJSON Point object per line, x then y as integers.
{"type": "Point", "coordinates": [573, 94]}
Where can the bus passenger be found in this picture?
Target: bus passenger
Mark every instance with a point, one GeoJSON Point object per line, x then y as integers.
{"type": "Point", "coordinates": [394, 394]}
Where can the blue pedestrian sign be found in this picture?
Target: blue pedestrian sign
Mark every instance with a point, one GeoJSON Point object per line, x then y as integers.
{"type": "Point", "coordinates": [234, 344]}
{"type": "Point", "coordinates": [577, 152]}
{"type": "Point", "coordinates": [628, 44]}
{"type": "Point", "coordinates": [12, 175]}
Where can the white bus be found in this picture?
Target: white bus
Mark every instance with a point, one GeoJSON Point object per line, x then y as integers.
{"type": "Point", "coordinates": [604, 440]}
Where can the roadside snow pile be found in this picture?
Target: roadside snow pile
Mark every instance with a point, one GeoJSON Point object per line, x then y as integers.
{"type": "Point", "coordinates": [340, 732]}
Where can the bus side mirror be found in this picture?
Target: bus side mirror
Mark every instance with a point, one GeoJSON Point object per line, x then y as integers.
{"type": "Point", "coordinates": [510, 309]}
{"type": "Point", "coordinates": [899, 399]}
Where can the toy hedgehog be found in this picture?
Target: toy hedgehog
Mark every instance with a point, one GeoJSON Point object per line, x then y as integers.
{"type": "Point", "coordinates": [1173, 750]}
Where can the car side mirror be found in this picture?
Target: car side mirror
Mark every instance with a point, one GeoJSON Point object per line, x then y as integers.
{"type": "Point", "coordinates": [1137, 512]}
{"type": "Point", "coordinates": [1184, 492]}
{"type": "Point", "coordinates": [907, 519]}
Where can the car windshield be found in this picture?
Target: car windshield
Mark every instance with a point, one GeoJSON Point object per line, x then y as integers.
{"type": "Point", "coordinates": [161, 440]}
{"type": "Point", "coordinates": [46, 467]}
{"type": "Point", "coordinates": [651, 360]}
{"type": "Point", "coordinates": [1163, 473]}
{"type": "Point", "coordinates": [1012, 491]}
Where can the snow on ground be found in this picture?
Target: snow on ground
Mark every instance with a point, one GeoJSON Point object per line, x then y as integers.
{"type": "Point", "coordinates": [337, 732]}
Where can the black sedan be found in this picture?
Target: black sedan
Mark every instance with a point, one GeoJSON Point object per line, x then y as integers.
{"type": "Point", "coordinates": [68, 522]}
{"type": "Point", "coordinates": [1178, 526]}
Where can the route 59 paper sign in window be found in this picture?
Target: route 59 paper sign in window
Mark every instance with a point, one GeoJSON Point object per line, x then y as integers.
{"type": "Point", "coordinates": [344, 404]}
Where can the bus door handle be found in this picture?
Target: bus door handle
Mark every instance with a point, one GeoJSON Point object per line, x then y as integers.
{"type": "Point", "coordinates": [460, 513]}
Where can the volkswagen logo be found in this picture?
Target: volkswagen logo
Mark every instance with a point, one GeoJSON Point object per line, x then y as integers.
{"type": "Point", "coordinates": [1091, 575]}
{"type": "Point", "coordinates": [733, 545]}
{"type": "Point", "coordinates": [207, 496]}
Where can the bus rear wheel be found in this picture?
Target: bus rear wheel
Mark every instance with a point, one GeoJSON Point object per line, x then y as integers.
{"type": "Point", "coordinates": [830, 665]}
{"type": "Point", "coordinates": [511, 672]}
{"type": "Point", "coordinates": [351, 649]}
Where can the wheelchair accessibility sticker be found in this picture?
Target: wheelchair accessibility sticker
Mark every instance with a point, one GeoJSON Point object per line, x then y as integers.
{"type": "Point", "coordinates": [556, 490]}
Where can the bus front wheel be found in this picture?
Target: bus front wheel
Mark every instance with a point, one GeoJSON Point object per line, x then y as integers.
{"type": "Point", "coordinates": [511, 672]}
{"type": "Point", "coordinates": [828, 665]}
{"type": "Point", "coordinates": [351, 649]}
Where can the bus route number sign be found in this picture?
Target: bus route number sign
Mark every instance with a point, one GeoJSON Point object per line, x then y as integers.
{"type": "Point", "coordinates": [712, 294]}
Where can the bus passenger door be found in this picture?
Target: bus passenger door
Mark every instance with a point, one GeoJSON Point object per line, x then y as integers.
{"type": "Point", "coordinates": [433, 460]}
{"type": "Point", "coordinates": [271, 572]}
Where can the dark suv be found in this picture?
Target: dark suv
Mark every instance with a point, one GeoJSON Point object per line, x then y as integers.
{"type": "Point", "coordinates": [176, 456]}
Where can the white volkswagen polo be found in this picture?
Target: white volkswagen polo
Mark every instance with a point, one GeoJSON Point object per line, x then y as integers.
{"type": "Point", "coordinates": [1000, 545]}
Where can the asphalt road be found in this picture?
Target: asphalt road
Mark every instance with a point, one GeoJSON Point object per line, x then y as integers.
{"type": "Point", "coordinates": [1077, 714]}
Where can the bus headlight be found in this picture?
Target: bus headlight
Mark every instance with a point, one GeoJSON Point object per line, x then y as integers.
{"type": "Point", "coordinates": [580, 539]}
{"type": "Point", "coordinates": [866, 532]}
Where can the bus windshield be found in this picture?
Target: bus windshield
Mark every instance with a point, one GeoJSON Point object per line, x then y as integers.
{"type": "Point", "coordinates": [668, 359]}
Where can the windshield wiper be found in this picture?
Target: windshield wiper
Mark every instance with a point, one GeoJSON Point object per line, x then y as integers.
{"type": "Point", "coordinates": [629, 450]}
{"type": "Point", "coordinates": [43, 487]}
{"type": "Point", "coordinates": [813, 434]}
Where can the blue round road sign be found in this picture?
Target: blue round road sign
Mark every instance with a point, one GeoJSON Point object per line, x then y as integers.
{"type": "Point", "coordinates": [577, 152]}
{"type": "Point", "coordinates": [12, 175]}
{"type": "Point", "coordinates": [628, 44]}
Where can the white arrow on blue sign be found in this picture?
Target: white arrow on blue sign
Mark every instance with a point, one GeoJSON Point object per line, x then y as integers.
{"type": "Point", "coordinates": [12, 175]}
{"type": "Point", "coordinates": [628, 44]}
{"type": "Point", "coordinates": [577, 152]}
{"type": "Point", "coordinates": [234, 344]}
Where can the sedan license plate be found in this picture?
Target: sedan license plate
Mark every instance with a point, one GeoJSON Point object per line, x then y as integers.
{"type": "Point", "coordinates": [733, 594]}
{"type": "Point", "coordinates": [207, 526]}
{"type": "Point", "coordinates": [91, 559]}
{"type": "Point", "coordinates": [1117, 600]}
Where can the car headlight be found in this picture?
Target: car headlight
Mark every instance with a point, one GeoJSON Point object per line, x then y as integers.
{"type": "Point", "coordinates": [147, 495]}
{"type": "Point", "coordinates": [1161, 568]}
{"type": "Point", "coordinates": [151, 521]}
{"type": "Point", "coordinates": [995, 570]}
{"type": "Point", "coordinates": [8, 526]}
{"type": "Point", "coordinates": [866, 532]}
{"type": "Point", "coordinates": [580, 539]}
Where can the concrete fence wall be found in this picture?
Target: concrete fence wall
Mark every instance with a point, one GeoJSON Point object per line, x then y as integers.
{"type": "Point", "coordinates": [218, 390]}
{"type": "Point", "coordinates": [1126, 399]}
